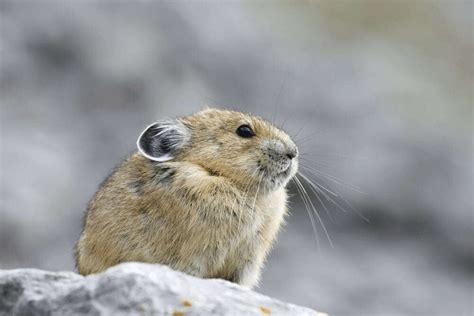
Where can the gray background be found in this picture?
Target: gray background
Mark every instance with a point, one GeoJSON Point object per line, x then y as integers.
{"type": "Point", "coordinates": [378, 93]}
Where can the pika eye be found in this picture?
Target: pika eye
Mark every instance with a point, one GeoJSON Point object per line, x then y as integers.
{"type": "Point", "coordinates": [245, 131]}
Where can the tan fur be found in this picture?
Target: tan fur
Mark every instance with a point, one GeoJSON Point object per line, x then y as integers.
{"type": "Point", "coordinates": [214, 216]}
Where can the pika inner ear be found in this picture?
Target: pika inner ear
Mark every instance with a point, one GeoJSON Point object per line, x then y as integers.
{"type": "Point", "coordinates": [161, 140]}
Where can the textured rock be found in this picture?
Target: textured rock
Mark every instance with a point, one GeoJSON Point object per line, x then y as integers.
{"type": "Point", "coordinates": [131, 289]}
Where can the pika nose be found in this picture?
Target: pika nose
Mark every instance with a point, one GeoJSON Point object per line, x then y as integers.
{"type": "Point", "coordinates": [292, 154]}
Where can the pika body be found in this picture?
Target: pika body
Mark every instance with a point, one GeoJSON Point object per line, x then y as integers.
{"type": "Point", "coordinates": [204, 194]}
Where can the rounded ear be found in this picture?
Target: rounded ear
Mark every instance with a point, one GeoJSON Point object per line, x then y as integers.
{"type": "Point", "coordinates": [160, 140]}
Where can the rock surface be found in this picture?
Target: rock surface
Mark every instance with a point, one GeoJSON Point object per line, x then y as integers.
{"type": "Point", "coordinates": [131, 289]}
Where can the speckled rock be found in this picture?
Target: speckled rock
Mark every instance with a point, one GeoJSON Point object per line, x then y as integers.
{"type": "Point", "coordinates": [131, 289]}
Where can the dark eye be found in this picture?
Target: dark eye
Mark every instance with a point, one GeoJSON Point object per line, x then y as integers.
{"type": "Point", "coordinates": [245, 131]}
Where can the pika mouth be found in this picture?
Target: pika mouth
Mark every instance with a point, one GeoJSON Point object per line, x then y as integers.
{"type": "Point", "coordinates": [289, 167]}
{"type": "Point", "coordinates": [286, 172]}
{"type": "Point", "coordinates": [275, 173]}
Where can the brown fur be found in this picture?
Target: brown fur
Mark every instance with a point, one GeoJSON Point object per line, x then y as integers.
{"type": "Point", "coordinates": [208, 212]}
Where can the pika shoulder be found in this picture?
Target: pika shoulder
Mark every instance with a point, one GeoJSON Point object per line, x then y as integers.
{"type": "Point", "coordinates": [204, 194]}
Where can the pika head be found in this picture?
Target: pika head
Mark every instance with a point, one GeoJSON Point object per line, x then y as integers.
{"type": "Point", "coordinates": [247, 150]}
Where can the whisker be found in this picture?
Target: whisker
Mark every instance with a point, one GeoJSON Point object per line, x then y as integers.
{"type": "Point", "coordinates": [258, 189]}
{"type": "Point", "coordinates": [316, 184]}
{"type": "Point", "coordinates": [315, 211]}
{"type": "Point", "coordinates": [337, 204]}
{"type": "Point", "coordinates": [316, 189]}
{"type": "Point", "coordinates": [311, 136]}
{"type": "Point", "coordinates": [303, 141]}
{"type": "Point", "coordinates": [324, 206]}
{"type": "Point", "coordinates": [311, 218]}
{"type": "Point", "coordinates": [244, 201]}
{"type": "Point", "coordinates": [330, 155]}
{"type": "Point", "coordinates": [295, 136]}
{"type": "Point", "coordinates": [320, 163]}
{"type": "Point", "coordinates": [355, 210]}
{"type": "Point", "coordinates": [333, 179]}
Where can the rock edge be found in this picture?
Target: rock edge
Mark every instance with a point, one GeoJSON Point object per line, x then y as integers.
{"type": "Point", "coordinates": [132, 289]}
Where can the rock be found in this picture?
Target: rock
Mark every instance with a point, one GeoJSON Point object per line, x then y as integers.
{"type": "Point", "coordinates": [132, 289]}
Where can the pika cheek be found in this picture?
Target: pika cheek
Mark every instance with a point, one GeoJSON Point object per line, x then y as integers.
{"type": "Point", "coordinates": [215, 148]}
{"type": "Point", "coordinates": [264, 159]}
{"type": "Point", "coordinates": [248, 162]}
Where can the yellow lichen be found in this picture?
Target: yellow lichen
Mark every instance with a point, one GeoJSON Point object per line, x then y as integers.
{"type": "Point", "coordinates": [265, 310]}
{"type": "Point", "coordinates": [186, 303]}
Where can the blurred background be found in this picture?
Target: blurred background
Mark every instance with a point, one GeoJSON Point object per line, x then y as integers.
{"type": "Point", "coordinates": [378, 95]}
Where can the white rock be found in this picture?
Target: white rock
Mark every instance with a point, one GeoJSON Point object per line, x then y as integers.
{"type": "Point", "coordinates": [131, 289]}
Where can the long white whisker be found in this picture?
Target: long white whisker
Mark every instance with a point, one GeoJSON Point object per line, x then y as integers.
{"type": "Point", "coordinates": [320, 163]}
{"type": "Point", "coordinates": [328, 155]}
{"type": "Point", "coordinates": [355, 210]}
{"type": "Point", "coordinates": [315, 211]}
{"type": "Point", "coordinates": [316, 184]}
{"type": "Point", "coordinates": [322, 203]}
{"type": "Point", "coordinates": [333, 179]}
{"type": "Point", "coordinates": [311, 218]}
{"type": "Point", "coordinates": [316, 189]}
{"type": "Point", "coordinates": [337, 204]}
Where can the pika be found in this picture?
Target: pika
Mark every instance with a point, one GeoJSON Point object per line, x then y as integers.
{"type": "Point", "coordinates": [204, 194]}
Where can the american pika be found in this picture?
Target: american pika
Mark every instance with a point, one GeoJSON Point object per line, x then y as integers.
{"type": "Point", "coordinates": [204, 194]}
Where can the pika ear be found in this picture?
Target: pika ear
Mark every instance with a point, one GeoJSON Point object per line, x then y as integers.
{"type": "Point", "coordinates": [161, 140]}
